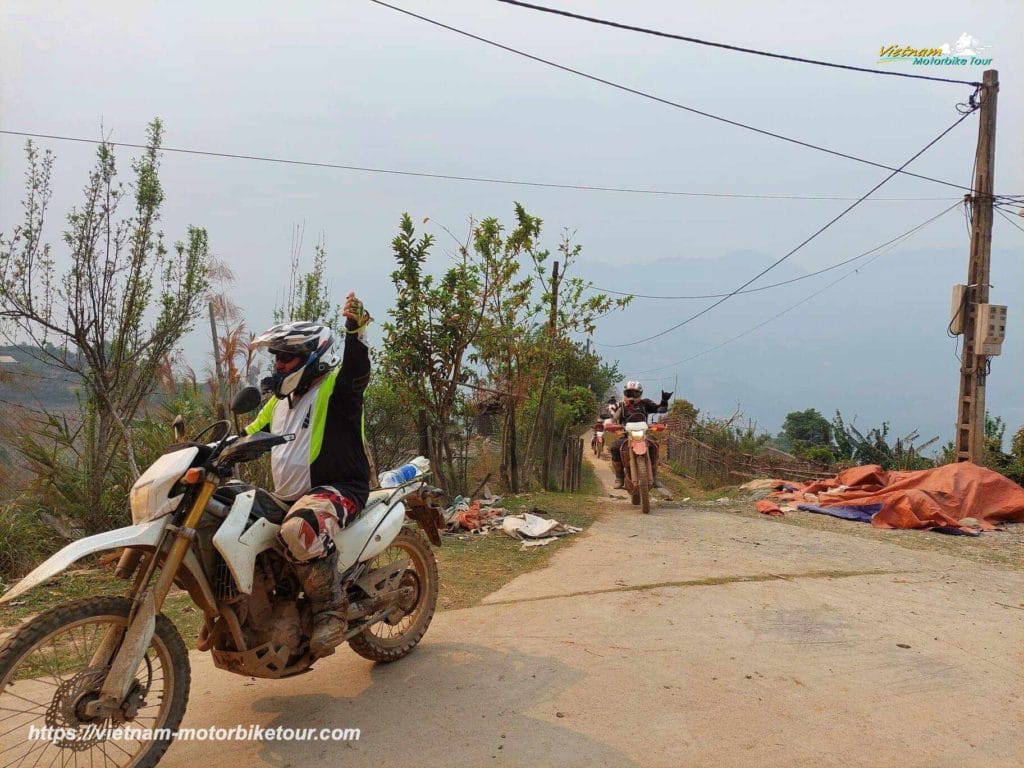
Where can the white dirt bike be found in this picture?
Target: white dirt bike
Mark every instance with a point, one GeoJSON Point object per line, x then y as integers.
{"type": "Point", "coordinates": [88, 666]}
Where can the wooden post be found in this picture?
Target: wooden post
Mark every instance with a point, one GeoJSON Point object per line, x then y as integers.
{"type": "Point", "coordinates": [579, 463]}
{"type": "Point", "coordinates": [970, 423]}
{"type": "Point", "coordinates": [542, 406]}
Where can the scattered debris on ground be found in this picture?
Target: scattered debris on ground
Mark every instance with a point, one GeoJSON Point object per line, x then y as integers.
{"type": "Point", "coordinates": [481, 516]}
{"type": "Point", "coordinates": [535, 531]}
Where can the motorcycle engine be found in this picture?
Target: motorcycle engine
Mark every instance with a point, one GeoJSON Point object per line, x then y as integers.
{"type": "Point", "coordinates": [270, 614]}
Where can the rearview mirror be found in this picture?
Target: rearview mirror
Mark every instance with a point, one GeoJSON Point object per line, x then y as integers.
{"type": "Point", "coordinates": [247, 399]}
{"type": "Point", "coordinates": [178, 425]}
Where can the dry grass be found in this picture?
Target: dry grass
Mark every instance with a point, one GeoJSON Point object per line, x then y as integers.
{"type": "Point", "coordinates": [473, 566]}
{"type": "Point", "coordinates": [95, 583]}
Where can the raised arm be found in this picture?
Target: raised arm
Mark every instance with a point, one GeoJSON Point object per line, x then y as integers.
{"type": "Point", "coordinates": [355, 362]}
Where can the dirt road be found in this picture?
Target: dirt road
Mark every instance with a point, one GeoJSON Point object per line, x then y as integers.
{"type": "Point", "coordinates": [690, 637]}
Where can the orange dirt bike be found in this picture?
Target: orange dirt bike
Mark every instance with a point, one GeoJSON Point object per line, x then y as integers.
{"type": "Point", "coordinates": [105, 679]}
{"type": "Point", "coordinates": [639, 458]}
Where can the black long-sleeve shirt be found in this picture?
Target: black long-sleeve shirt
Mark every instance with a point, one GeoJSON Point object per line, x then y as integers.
{"type": "Point", "coordinates": [638, 411]}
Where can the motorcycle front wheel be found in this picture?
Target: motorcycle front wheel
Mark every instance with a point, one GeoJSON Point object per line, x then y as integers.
{"type": "Point", "coordinates": [634, 486]}
{"type": "Point", "coordinates": [48, 675]}
{"type": "Point", "coordinates": [393, 639]}
{"type": "Point", "coordinates": [643, 483]}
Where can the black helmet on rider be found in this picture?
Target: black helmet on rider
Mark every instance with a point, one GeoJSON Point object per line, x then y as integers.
{"type": "Point", "coordinates": [311, 344]}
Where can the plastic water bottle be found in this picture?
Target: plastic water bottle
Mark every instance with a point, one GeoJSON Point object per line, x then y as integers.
{"type": "Point", "coordinates": [403, 474]}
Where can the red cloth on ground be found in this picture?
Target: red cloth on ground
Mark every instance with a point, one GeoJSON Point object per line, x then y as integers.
{"type": "Point", "coordinates": [927, 498]}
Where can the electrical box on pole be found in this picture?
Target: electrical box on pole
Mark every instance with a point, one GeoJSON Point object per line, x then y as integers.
{"type": "Point", "coordinates": [990, 329]}
{"type": "Point", "coordinates": [957, 309]}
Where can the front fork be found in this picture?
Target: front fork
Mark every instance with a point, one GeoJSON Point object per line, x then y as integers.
{"type": "Point", "coordinates": [124, 654]}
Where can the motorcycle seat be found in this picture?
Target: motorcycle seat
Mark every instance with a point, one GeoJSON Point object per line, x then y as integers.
{"type": "Point", "coordinates": [269, 506]}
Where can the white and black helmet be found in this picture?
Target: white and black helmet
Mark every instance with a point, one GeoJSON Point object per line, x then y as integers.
{"type": "Point", "coordinates": [312, 341]}
{"type": "Point", "coordinates": [633, 386]}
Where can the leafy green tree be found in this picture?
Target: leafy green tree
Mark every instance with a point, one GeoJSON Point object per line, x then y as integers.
{"type": "Point", "coordinates": [489, 320]}
{"type": "Point", "coordinates": [390, 428]}
{"type": "Point", "coordinates": [684, 410]}
{"type": "Point", "coordinates": [121, 306]}
{"type": "Point", "coordinates": [1018, 445]}
{"type": "Point", "coordinates": [806, 429]}
{"type": "Point", "coordinates": [433, 324]}
{"type": "Point", "coordinates": [524, 337]}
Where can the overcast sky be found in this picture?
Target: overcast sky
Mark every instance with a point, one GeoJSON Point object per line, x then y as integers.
{"type": "Point", "coordinates": [354, 83]}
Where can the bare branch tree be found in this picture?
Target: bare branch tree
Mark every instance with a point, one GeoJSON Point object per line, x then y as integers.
{"type": "Point", "coordinates": [119, 308]}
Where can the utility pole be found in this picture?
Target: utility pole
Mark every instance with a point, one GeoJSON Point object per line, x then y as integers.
{"type": "Point", "coordinates": [544, 406]}
{"type": "Point", "coordinates": [970, 422]}
{"type": "Point", "coordinates": [553, 319]}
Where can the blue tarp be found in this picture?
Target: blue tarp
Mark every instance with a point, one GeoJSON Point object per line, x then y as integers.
{"type": "Point", "coordinates": [864, 514]}
{"type": "Point", "coordinates": [861, 514]}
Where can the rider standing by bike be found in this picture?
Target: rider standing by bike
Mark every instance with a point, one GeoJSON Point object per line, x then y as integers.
{"type": "Point", "coordinates": [634, 407]}
{"type": "Point", "coordinates": [605, 412]}
{"type": "Point", "coordinates": [324, 472]}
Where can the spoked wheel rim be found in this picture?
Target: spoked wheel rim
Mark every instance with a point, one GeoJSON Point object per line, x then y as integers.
{"type": "Point", "coordinates": [44, 693]}
{"type": "Point", "coordinates": [416, 577]}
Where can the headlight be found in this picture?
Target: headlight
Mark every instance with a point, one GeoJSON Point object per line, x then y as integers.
{"type": "Point", "coordinates": [637, 434]}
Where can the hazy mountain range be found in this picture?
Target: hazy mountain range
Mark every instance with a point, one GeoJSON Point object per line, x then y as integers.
{"type": "Point", "coordinates": [874, 345]}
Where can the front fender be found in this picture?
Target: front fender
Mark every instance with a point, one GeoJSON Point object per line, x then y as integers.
{"type": "Point", "coordinates": [639, 447]}
{"type": "Point", "coordinates": [142, 535]}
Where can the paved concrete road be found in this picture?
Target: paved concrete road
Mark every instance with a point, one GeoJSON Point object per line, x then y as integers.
{"type": "Point", "coordinates": [690, 637]}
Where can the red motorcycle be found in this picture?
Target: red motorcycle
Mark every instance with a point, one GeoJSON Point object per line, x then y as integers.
{"type": "Point", "coordinates": [597, 441]}
{"type": "Point", "coordinates": [639, 458]}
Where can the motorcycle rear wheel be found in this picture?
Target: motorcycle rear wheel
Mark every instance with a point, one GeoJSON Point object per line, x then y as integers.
{"type": "Point", "coordinates": [46, 677]}
{"type": "Point", "coordinates": [386, 642]}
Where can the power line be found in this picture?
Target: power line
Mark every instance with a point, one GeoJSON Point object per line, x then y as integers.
{"type": "Point", "coordinates": [791, 280]}
{"type": "Point", "coordinates": [791, 307]}
{"type": "Point", "coordinates": [781, 259]}
{"type": "Point", "coordinates": [739, 49]}
{"type": "Point", "coordinates": [1009, 221]}
{"type": "Point", "coordinates": [450, 177]}
{"type": "Point", "coordinates": [660, 100]}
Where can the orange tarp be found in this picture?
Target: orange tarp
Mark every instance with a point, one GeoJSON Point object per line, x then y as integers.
{"type": "Point", "coordinates": [927, 498]}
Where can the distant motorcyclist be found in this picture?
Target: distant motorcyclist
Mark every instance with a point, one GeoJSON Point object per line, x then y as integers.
{"type": "Point", "coordinates": [608, 409]}
{"type": "Point", "coordinates": [324, 473]}
{"type": "Point", "coordinates": [634, 407]}
{"type": "Point", "coordinates": [605, 413]}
